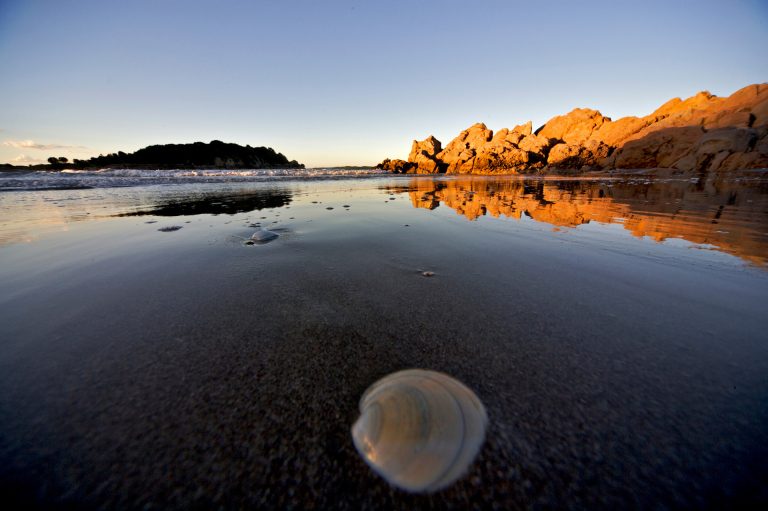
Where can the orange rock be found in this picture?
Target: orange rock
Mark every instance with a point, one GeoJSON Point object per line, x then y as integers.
{"type": "Point", "coordinates": [703, 132]}
{"type": "Point", "coordinates": [616, 132]}
{"type": "Point", "coordinates": [423, 155]}
{"type": "Point", "coordinates": [575, 127]}
{"type": "Point", "coordinates": [574, 156]}
{"type": "Point", "coordinates": [661, 148]}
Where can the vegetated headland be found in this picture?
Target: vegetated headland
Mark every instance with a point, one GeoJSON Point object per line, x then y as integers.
{"type": "Point", "coordinates": [215, 154]}
{"type": "Point", "coordinates": [700, 134]}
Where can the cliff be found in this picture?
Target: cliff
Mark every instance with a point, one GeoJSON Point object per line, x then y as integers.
{"type": "Point", "coordinates": [702, 133]}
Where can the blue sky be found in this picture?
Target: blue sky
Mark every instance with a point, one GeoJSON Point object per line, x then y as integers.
{"type": "Point", "coordinates": [349, 82]}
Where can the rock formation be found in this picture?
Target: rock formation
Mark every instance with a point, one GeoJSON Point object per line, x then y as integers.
{"type": "Point", "coordinates": [702, 133]}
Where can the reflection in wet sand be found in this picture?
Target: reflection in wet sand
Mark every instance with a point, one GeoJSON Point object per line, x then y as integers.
{"type": "Point", "coordinates": [26, 216]}
{"type": "Point", "coordinates": [216, 204]}
{"type": "Point", "coordinates": [27, 224]}
{"type": "Point", "coordinates": [731, 216]}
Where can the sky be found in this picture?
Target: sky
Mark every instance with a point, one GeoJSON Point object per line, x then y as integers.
{"type": "Point", "coordinates": [349, 82]}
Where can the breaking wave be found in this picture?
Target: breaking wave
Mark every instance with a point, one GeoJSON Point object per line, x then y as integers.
{"type": "Point", "coordinates": [108, 178]}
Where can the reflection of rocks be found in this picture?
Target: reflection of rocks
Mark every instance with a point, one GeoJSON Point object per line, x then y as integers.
{"type": "Point", "coordinates": [728, 215]}
{"type": "Point", "coordinates": [701, 133]}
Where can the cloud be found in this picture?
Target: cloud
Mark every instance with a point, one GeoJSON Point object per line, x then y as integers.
{"type": "Point", "coordinates": [31, 144]}
{"type": "Point", "coordinates": [24, 159]}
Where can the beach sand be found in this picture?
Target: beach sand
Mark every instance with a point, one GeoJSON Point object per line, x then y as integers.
{"type": "Point", "coordinates": [142, 369]}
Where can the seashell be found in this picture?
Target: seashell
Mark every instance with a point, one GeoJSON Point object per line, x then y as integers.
{"type": "Point", "coordinates": [420, 430]}
{"type": "Point", "coordinates": [263, 236]}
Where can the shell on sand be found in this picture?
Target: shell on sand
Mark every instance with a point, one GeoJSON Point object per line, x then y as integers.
{"type": "Point", "coordinates": [263, 235]}
{"type": "Point", "coordinates": [420, 430]}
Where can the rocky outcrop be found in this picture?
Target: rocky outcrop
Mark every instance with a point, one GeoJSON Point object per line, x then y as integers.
{"type": "Point", "coordinates": [575, 128]}
{"type": "Point", "coordinates": [701, 133]}
{"type": "Point", "coordinates": [424, 155]}
{"type": "Point", "coordinates": [395, 166]}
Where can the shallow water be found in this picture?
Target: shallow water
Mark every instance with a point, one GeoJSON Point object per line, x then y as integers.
{"type": "Point", "coordinates": [614, 328]}
{"type": "Point", "coordinates": [729, 216]}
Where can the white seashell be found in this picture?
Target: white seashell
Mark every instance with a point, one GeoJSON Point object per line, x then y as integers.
{"type": "Point", "coordinates": [263, 235]}
{"type": "Point", "coordinates": [420, 430]}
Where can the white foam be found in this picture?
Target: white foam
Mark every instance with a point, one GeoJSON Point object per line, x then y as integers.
{"type": "Point", "coordinates": [107, 178]}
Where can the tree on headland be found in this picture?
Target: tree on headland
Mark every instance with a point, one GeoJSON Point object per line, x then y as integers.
{"type": "Point", "coordinates": [59, 162]}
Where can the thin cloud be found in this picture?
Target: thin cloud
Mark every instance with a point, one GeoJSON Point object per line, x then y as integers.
{"type": "Point", "coordinates": [23, 158]}
{"type": "Point", "coordinates": [31, 144]}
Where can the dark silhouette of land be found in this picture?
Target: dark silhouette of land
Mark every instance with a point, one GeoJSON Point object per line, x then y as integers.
{"type": "Point", "coordinates": [215, 154]}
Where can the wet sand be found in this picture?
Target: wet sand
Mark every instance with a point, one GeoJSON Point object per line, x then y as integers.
{"type": "Point", "coordinates": [142, 369]}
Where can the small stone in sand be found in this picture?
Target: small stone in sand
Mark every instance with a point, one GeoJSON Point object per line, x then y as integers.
{"type": "Point", "coordinates": [262, 236]}
{"type": "Point", "coordinates": [346, 206]}
{"type": "Point", "coordinates": [329, 207]}
{"type": "Point", "coordinates": [151, 222]}
{"type": "Point", "coordinates": [170, 228]}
